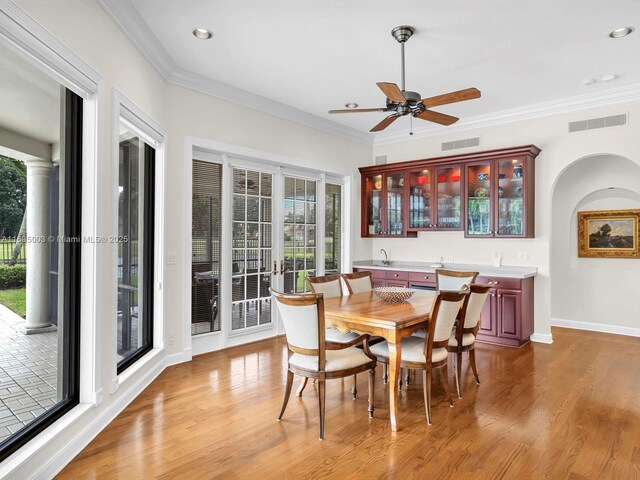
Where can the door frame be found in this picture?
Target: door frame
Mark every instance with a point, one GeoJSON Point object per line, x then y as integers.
{"type": "Point", "coordinates": [228, 155]}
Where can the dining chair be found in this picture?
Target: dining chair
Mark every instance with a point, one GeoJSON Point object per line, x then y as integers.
{"type": "Point", "coordinates": [431, 352]}
{"type": "Point", "coordinates": [463, 337]}
{"type": "Point", "coordinates": [311, 356]}
{"type": "Point", "coordinates": [358, 282]}
{"type": "Point", "coordinates": [452, 281]}
{"type": "Point", "coordinates": [330, 286]}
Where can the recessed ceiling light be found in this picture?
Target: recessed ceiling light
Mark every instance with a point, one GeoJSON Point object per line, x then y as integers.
{"type": "Point", "coordinates": [610, 77]}
{"type": "Point", "coordinates": [621, 32]}
{"type": "Point", "coordinates": [202, 33]}
{"type": "Point", "coordinates": [351, 105]}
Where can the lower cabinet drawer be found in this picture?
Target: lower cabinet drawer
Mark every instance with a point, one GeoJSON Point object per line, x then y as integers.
{"type": "Point", "coordinates": [422, 277]}
{"type": "Point", "coordinates": [397, 275]}
{"type": "Point", "coordinates": [500, 282]}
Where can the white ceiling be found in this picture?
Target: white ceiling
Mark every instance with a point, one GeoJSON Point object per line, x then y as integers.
{"type": "Point", "coordinates": [318, 55]}
{"type": "Point", "coordinates": [29, 99]}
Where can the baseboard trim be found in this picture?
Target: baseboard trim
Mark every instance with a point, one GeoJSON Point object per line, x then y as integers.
{"type": "Point", "coordinates": [73, 448]}
{"type": "Point", "coordinates": [177, 358]}
{"type": "Point", "coordinates": [595, 327]}
{"type": "Point", "coordinates": [542, 338]}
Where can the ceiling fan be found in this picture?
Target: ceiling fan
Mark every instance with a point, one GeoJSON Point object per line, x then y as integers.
{"type": "Point", "coordinates": [403, 102]}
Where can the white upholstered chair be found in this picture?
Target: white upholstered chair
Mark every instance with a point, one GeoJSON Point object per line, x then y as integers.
{"type": "Point", "coordinates": [463, 337]}
{"type": "Point", "coordinates": [311, 356]}
{"type": "Point", "coordinates": [330, 286]}
{"type": "Point", "coordinates": [429, 353]}
{"type": "Point", "coordinates": [452, 281]}
{"type": "Point", "coordinates": [358, 282]}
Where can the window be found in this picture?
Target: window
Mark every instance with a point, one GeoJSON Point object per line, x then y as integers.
{"type": "Point", "coordinates": [332, 228]}
{"type": "Point", "coordinates": [206, 249]}
{"type": "Point", "coordinates": [136, 179]}
{"type": "Point", "coordinates": [40, 240]}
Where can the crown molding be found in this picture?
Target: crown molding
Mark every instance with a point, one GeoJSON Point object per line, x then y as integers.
{"type": "Point", "coordinates": [135, 28]}
{"type": "Point", "coordinates": [554, 107]}
{"type": "Point", "coordinates": [247, 99]}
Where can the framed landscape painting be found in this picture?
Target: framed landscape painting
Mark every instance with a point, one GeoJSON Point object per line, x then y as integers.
{"type": "Point", "coordinates": [609, 234]}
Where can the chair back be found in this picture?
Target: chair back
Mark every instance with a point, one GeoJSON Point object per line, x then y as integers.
{"type": "Point", "coordinates": [452, 281]}
{"type": "Point", "coordinates": [303, 320]}
{"type": "Point", "coordinates": [329, 285]}
{"type": "Point", "coordinates": [444, 311]}
{"type": "Point", "coordinates": [472, 308]}
{"type": "Point", "coordinates": [358, 282]}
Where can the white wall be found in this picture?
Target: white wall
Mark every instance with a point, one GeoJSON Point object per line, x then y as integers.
{"type": "Point", "coordinates": [593, 290]}
{"type": "Point", "coordinates": [559, 150]}
{"type": "Point", "coordinates": [87, 30]}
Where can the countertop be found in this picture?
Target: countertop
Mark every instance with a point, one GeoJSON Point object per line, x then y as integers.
{"type": "Point", "coordinates": [484, 270]}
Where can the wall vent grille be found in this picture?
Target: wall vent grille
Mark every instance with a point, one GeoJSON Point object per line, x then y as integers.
{"type": "Point", "coordinates": [381, 160]}
{"type": "Point", "coordinates": [602, 122]}
{"type": "Point", "coordinates": [466, 143]}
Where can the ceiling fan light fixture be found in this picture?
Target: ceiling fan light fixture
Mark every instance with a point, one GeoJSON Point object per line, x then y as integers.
{"type": "Point", "coordinates": [202, 33]}
{"type": "Point", "coordinates": [351, 105]}
{"type": "Point", "coordinates": [621, 32]}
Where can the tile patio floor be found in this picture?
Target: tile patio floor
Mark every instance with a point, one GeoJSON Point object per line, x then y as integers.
{"type": "Point", "coordinates": [28, 373]}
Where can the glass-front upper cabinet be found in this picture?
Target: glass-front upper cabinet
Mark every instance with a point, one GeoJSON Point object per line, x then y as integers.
{"type": "Point", "coordinates": [372, 195]}
{"type": "Point", "coordinates": [448, 216]}
{"type": "Point", "coordinates": [385, 204]}
{"type": "Point", "coordinates": [420, 185]}
{"type": "Point", "coordinates": [395, 204]}
{"type": "Point", "coordinates": [511, 189]}
{"type": "Point", "coordinates": [479, 196]}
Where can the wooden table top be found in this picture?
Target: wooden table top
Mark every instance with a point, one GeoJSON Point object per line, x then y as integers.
{"type": "Point", "coordinates": [368, 309]}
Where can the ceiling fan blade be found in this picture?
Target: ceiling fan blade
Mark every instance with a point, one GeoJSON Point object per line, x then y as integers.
{"type": "Point", "coordinates": [350, 110]}
{"type": "Point", "coordinates": [385, 123]}
{"type": "Point", "coordinates": [392, 91]}
{"type": "Point", "coordinates": [437, 117]}
{"type": "Point", "coordinates": [459, 96]}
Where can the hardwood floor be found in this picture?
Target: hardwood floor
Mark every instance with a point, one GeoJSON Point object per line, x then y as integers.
{"type": "Point", "coordinates": [567, 410]}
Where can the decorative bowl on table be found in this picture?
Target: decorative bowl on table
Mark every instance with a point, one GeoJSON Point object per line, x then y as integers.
{"type": "Point", "coordinates": [393, 294]}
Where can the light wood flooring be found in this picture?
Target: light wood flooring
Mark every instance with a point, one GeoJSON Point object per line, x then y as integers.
{"type": "Point", "coordinates": [570, 410]}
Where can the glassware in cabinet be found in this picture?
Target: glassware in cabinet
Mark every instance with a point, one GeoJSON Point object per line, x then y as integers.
{"type": "Point", "coordinates": [448, 197]}
{"type": "Point", "coordinates": [420, 184]}
{"type": "Point", "coordinates": [479, 197]}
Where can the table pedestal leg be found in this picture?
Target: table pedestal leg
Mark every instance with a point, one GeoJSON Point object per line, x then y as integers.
{"type": "Point", "coordinates": [395, 354]}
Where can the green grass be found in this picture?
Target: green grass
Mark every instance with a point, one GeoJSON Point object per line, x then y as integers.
{"type": "Point", "coordinates": [15, 299]}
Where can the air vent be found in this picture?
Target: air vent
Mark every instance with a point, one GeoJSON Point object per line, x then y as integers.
{"type": "Point", "coordinates": [602, 122]}
{"type": "Point", "coordinates": [467, 142]}
{"type": "Point", "coordinates": [381, 160]}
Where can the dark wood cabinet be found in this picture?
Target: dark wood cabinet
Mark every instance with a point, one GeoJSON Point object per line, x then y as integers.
{"type": "Point", "coordinates": [486, 194]}
{"type": "Point", "coordinates": [507, 315]}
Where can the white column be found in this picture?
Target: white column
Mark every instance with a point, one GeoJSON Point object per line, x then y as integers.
{"type": "Point", "coordinates": [38, 246]}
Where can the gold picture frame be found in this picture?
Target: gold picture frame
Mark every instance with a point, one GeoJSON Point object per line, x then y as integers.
{"type": "Point", "coordinates": [609, 234]}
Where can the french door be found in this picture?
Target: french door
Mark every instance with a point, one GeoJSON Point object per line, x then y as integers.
{"type": "Point", "coordinates": [274, 221]}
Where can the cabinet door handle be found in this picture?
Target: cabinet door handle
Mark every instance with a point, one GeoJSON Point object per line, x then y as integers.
{"type": "Point", "coordinates": [493, 294]}
{"type": "Point", "coordinates": [395, 274]}
{"type": "Point", "coordinates": [426, 277]}
{"type": "Point", "coordinates": [499, 295]}
{"type": "Point", "coordinates": [492, 282]}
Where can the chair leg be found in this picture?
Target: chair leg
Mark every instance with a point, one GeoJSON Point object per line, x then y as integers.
{"type": "Point", "coordinates": [372, 381]}
{"type": "Point", "coordinates": [385, 373]}
{"type": "Point", "coordinates": [426, 380]}
{"type": "Point", "coordinates": [407, 377]}
{"type": "Point", "coordinates": [472, 361]}
{"type": "Point", "coordinates": [445, 383]}
{"type": "Point", "coordinates": [354, 389]}
{"type": "Point", "coordinates": [303, 384]}
{"type": "Point", "coordinates": [459, 373]}
{"type": "Point", "coordinates": [321, 398]}
{"type": "Point", "coordinates": [287, 393]}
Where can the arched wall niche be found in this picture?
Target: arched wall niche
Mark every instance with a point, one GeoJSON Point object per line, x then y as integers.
{"type": "Point", "coordinates": [593, 292]}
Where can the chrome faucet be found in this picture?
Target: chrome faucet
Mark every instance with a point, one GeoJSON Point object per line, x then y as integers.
{"type": "Point", "coordinates": [386, 260]}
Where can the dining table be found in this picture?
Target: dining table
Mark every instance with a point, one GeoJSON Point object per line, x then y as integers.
{"type": "Point", "coordinates": [366, 313]}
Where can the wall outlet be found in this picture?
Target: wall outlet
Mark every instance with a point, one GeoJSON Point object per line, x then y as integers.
{"type": "Point", "coordinates": [170, 339]}
{"type": "Point", "coordinates": [172, 258]}
{"type": "Point", "coordinates": [523, 256]}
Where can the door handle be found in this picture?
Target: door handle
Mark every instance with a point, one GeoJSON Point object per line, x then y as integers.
{"type": "Point", "coordinates": [281, 267]}
{"type": "Point", "coordinates": [275, 267]}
